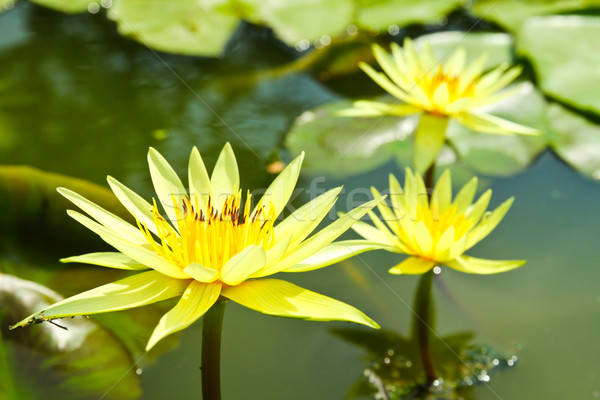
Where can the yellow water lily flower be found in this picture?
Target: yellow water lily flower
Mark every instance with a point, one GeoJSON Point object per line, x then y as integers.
{"type": "Point", "coordinates": [437, 231]}
{"type": "Point", "coordinates": [211, 242]}
{"type": "Point", "coordinates": [439, 90]}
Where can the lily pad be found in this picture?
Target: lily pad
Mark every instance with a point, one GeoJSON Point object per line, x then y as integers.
{"type": "Point", "coordinates": [298, 20]}
{"type": "Point", "coordinates": [195, 27]}
{"type": "Point", "coordinates": [379, 15]}
{"type": "Point", "coordinates": [574, 139]}
{"type": "Point", "coordinates": [501, 155]}
{"type": "Point", "coordinates": [83, 362]}
{"type": "Point", "coordinates": [497, 45]}
{"type": "Point", "coordinates": [68, 6]}
{"type": "Point", "coordinates": [510, 14]}
{"type": "Point", "coordinates": [342, 146]}
{"type": "Point", "coordinates": [565, 53]}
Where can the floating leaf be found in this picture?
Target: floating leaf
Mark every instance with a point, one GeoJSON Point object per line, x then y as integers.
{"type": "Point", "coordinates": [502, 154]}
{"type": "Point", "coordinates": [379, 15]}
{"type": "Point", "coordinates": [195, 27]}
{"type": "Point", "coordinates": [497, 45]}
{"type": "Point", "coordinates": [511, 13]}
{"type": "Point", "coordinates": [83, 362]}
{"type": "Point", "coordinates": [565, 53]}
{"type": "Point", "coordinates": [342, 146]}
{"type": "Point", "coordinates": [574, 139]}
{"type": "Point", "coordinates": [68, 6]}
{"type": "Point", "coordinates": [298, 20]}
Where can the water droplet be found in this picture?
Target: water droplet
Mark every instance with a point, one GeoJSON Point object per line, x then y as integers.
{"type": "Point", "coordinates": [352, 30]}
{"type": "Point", "coordinates": [106, 3]}
{"type": "Point", "coordinates": [437, 270]}
{"type": "Point", "coordinates": [326, 40]}
{"type": "Point", "coordinates": [302, 45]}
{"type": "Point", "coordinates": [391, 352]}
{"type": "Point", "coordinates": [393, 29]}
{"type": "Point", "coordinates": [436, 383]}
{"type": "Point", "coordinates": [93, 8]}
{"type": "Point", "coordinates": [138, 371]}
{"type": "Point", "coordinates": [495, 361]}
{"type": "Point", "coordinates": [483, 377]}
{"type": "Point", "coordinates": [387, 360]}
{"type": "Point", "coordinates": [318, 44]}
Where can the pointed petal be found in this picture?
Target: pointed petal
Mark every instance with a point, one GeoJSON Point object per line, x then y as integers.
{"type": "Point", "coordinates": [134, 203]}
{"type": "Point", "coordinates": [389, 67]}
{"type": "Point", "coordinates": [245, 263]}
{"type": "Point", "coordinates": [277, 252]}
{"type": "Point", "coordinates": [488, 223]}
{"type": "Point", "coordinates": [201, 273]}
{"type": "Point", "coordinates": [441, 96]}
{"type": "Point", "coordinates": [429, 138]}
{"type": "Point", "coordinates": [281, 298]}
{"type": "Point", "coordinates": [110, 221]}
{"type": "Point", "coordinates": [423, 238]}
{"type": "Point", "coordinates": [384, 82]}
{"type": "Point", "coordinates": [456, 63]}
{"type": "Point", "coordinates": [386, 212]}
{"type": "Point", "coordinates": [370, 233]}
{"type": "Point", "coordinates": [476, 211]}
{"type": "Point", "coordinates": [412, 266]}
{"type": "Point", "coordinates": [305, 219]}
{"type": "Point", "coordinates": [282, 187]}
{"type": "Point", "coordinates": [323, 237]}
{"type": "Point", "coordinates": [397, 198]}
{"type": "Point", "coordinates": [491, 124]}
{"type": "Point", "coordinates": [474, 265]}
{"type": "Point", "coordinates": [107, 259]}
{"type": "Point", "coordinates": [134, 291]}
{"type": "Point", "coordinates": [166, 183]}
{"type": "Point", "coordinates": [336, 252]}
{"type": "Point", "coordinates": [367, 108]}
{"type": "Point", "coordinates": [465, 196]}
{"type": "Point", "coordinates": [195, 301]}
{"type": "Point", "coordinates": [135, 252]}
{"type": "Point", "coordinates": [198, 178]}
{"type": "Point", "coordinates": [442, 194]}
{"type": "Point", "coordinates": [225, 178]}
{"type": "Point", "coordinates": [444, 244]}
{"type": "Point", "coordinates": [472, 71]}
{"type": "Point", "coordinates": [501, 82]}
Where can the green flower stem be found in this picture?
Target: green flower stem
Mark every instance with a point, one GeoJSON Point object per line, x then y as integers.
{"type": "Point", "coordinates": [212, 324]}
{"type": "Point", "coordinates": [429, 138]}
{"type": "Point", "coordinates": [423, 308]}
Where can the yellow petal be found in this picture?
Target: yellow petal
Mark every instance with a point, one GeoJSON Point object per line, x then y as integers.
{"type": "Point", "coordinates": [384, 82]}
{"type": "Point", "coordinates": [198, 179]}
{"type": "Point", "coordinates": [243, 264]}
{"type": "Point", "coordinates": [135, 252]}
{"type": "Point", "coordinates": [225, 178]}
{"type": "Point", "coordinates": [110, 221]}
{"type": "Point", "coordinates": [282, 187]}
{"type": "Point", "coordinates": [166, 183]}
{"type": "Point", "coordinates": [443, 245]}
{"type": "Point", "coordinates": [336, 252]}
{"type": "Point", "coordinates": [134, 203]}
{"type": "Point", "coordinates": [201, 273]}
{"type": "Point", "coordinates": [476, 211]}
{"type": "Point", "coordinates": [474, 265]}
{"type": "Point", "coordinates": [134, 291]}
{"type": "Point", "coordinates": [472, 71]}
{"type": "Point", "coordinates": [442, 193]}
{"type": "Point", "coordinates": [488, 223]}
{"type": "Point", "coordinates": [456, 62]}
{"type": "Point", "coordinates": [490, 124]}
{"type": "Point", "coordinates": [465, 196]}
{"type": "Point", "coordinates": [389, 67]}
{"type": "Point", "coordinates": [441, 97]}
{"type": "Point", "coordinates": [194, 302]}
{"type": "Point", "coordinates": [107, 259]}
{"type": "Point", "coordinates": [412, 266]}
{"type": "Point", "coordinates": [281, 298]}
{"type": "Point", "coordinates": [423, 238]}
{"type": "Point", "coordinates": [369, 232]}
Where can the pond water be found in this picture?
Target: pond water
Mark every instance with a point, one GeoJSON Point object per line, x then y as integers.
{"type": "Point", "coordinates": [79, 100]}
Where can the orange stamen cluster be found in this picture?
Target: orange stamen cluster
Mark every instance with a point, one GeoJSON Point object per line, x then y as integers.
{"type": "Point", "coordinates": [210, 236]}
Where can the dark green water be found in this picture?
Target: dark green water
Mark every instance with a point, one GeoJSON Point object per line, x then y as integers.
{"type": "Point", "coordinates": [77, 99]}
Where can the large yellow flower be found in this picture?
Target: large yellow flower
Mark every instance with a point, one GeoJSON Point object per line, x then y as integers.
{"type": "Point", "coordinates": [448, 88]}
{"type": "Point", "coordinates": [437, 231]}
{"type": "Point", "coordinates": [211, 242]}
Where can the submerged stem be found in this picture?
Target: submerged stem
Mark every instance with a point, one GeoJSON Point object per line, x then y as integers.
{"type": "Point", "coordinates": [423, 308]}
{"type": "Point", "coordinates": [212, 324]}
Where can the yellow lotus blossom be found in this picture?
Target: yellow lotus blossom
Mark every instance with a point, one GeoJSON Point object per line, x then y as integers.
{"type": "Point", "coordinates": [437, 231]}
{"type": "Point", "coordinates": [211, 242]}
{"type": "Point", "coordinates": [439, 90]}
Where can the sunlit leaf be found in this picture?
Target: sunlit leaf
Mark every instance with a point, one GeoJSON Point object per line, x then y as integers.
{"type": "Point", "coordinates": [565, 54]}
{"type": "Point", "coordinates": [70, 6]}
{"type": "Point", "coordinates": [574, 139]}
{"type": "Point", "coordinates": [46, 362]}
{"type": "Point", "coordinates": [198, 27]}
{"type": "Point", "coordinates": [379, 15]}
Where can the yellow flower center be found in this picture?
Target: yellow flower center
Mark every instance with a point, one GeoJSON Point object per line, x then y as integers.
{"type": "Point", "coordinates": [431, 82]}
{"type": "Point", "coordinates": [211, 237]}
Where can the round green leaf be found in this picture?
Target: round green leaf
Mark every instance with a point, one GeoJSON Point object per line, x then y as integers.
{"type": "Point", "coordinates": [502, 154]}
{"type": "Point", "coordinates": [497, 45]}
{"type": "Point", "coordinates": [565, 53]}
{"type": "Point", "coordinates": [574, 139]}
{"type": "Point", "coordinates": [47, 362]}
{"type": "Point", "coordinates": [379, 15]}
{"type": "Point", "coordinates": [194, 27]}
{"type": "Point", "coordinates": [70, 6]}
{"type": "Point", "coordinates": [342, 146]}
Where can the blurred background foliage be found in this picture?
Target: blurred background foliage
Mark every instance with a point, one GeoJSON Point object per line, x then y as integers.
{"type": "Point", "coordinates": [78, 101]}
